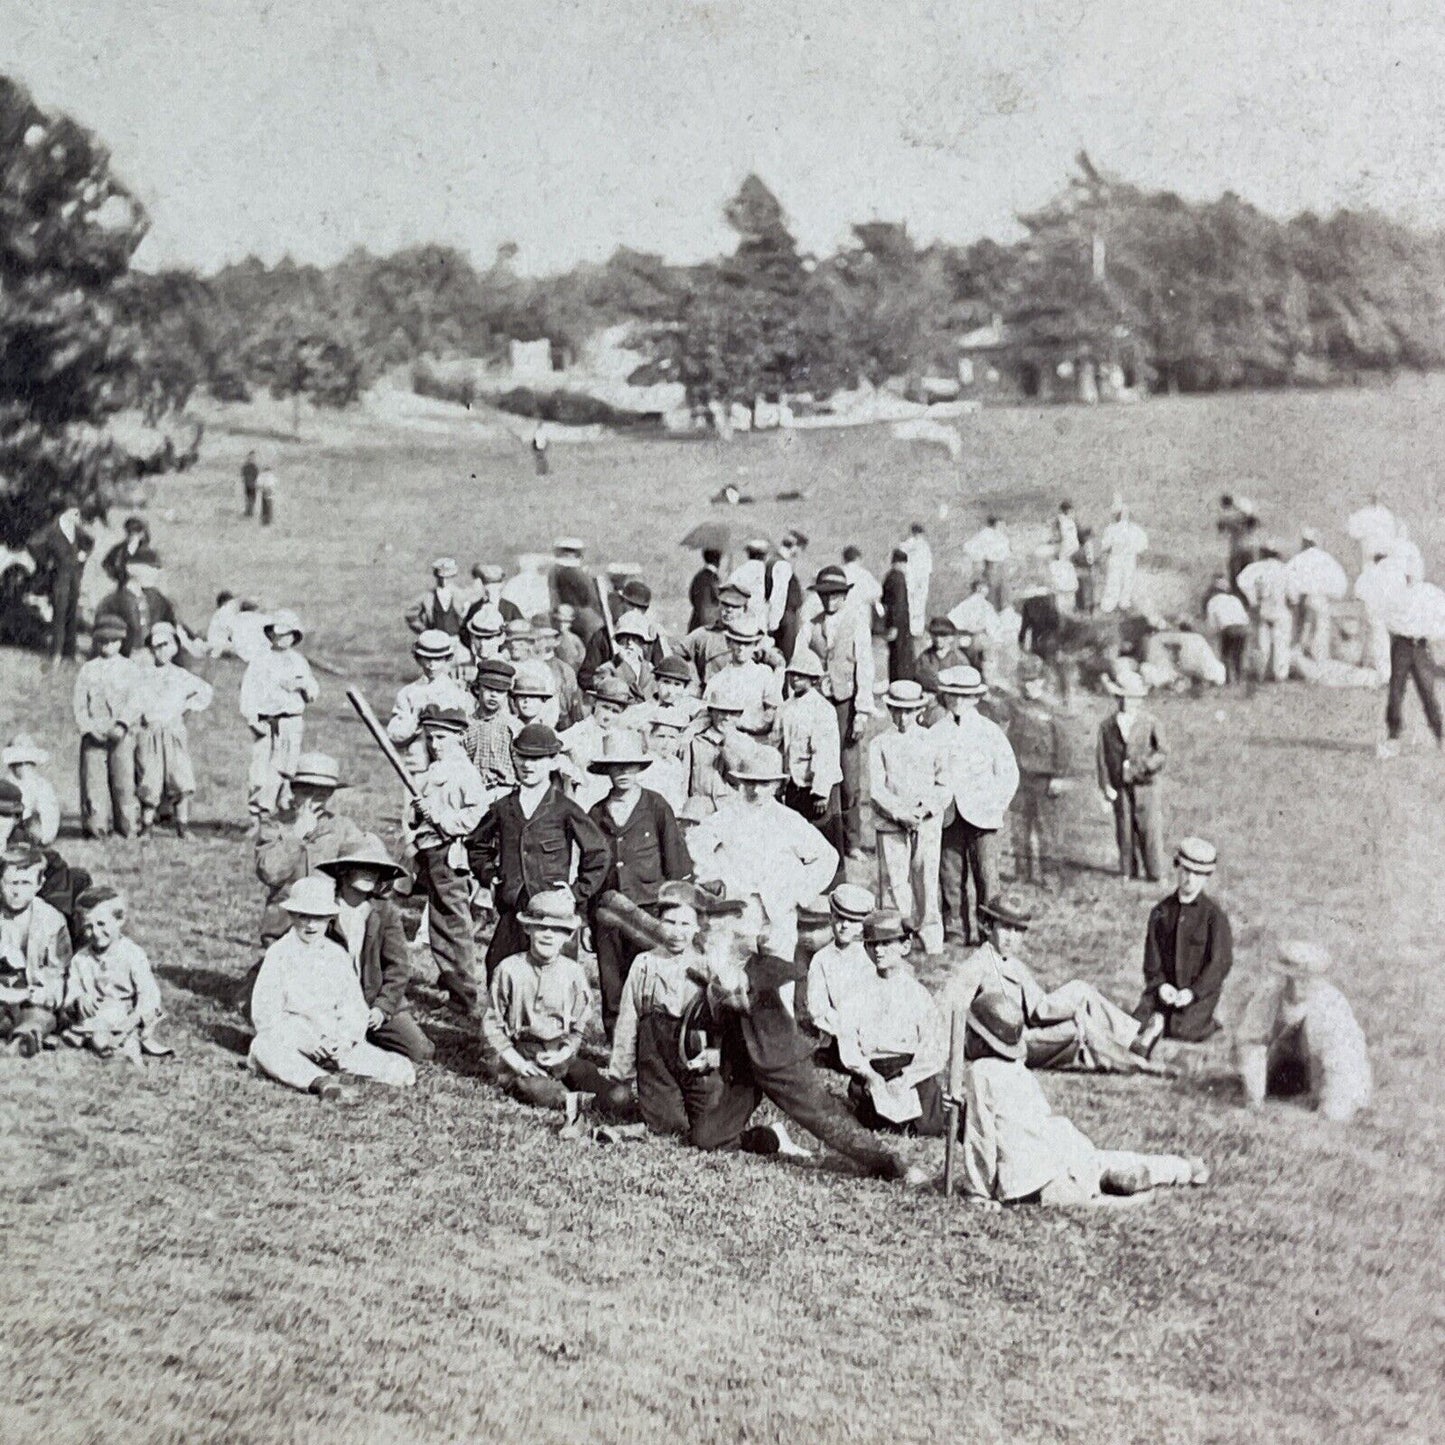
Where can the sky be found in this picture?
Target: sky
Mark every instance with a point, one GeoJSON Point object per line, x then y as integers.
{"type": "Point", "coordinates": [570, 127]}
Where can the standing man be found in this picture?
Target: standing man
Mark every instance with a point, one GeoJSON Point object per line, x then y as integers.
{"type": "Point", "coordinates": [707, 648]}
{"type": "Point", "coordinates": [981, 776]}
{"type": "Point", "coordinates": [702, 591]}
{"type": "Point", "coordinates": [898, 619]}
{"type": "Point", "coordinates": [1404, 619]}
{"type": "Point", "coordinates": [266, 485]}
{"type": "Point", "coordinates": [1374, 528]}
{"type": "Point", "coordinates": [250, 475]}
{"type": "Point", "coordinates": [569, 582]}
{"type": "Point", "coordinates": [991, 550]}
{"type": "Point", "coordinates": [1129, 758]}
{"type": "Point", "coordinates": [1316, 581]}
{"type": "Point", "coordinates": [1066, 531]}
{"type": "Point", "coordinates": [61, 550]}
{"type": "Point", "coordinates": [440, 609]}
{"type": "Point", "coordinates": [808, 739]}
{"type": "Point", "coordinates": [846, 653]}
{"type": "Point", "coordinates": [920, 576]}
{"type": "Point", "coordinates": [784, 594]}
{"type": "Point", "coordinates": [1039, 740]}
{"type": "Point", "coordinates": [1122, 544]}
{"type": "Point", "coordinates": [1265, 586]}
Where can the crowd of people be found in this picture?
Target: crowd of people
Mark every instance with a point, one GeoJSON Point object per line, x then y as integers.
{"type": "Point", "coordinates": [748, 835]}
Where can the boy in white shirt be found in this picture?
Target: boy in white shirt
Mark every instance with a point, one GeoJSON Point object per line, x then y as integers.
{"type": "Point", "coordinates": [104, 706]}
{"type": "Point", "coordinates": [34, 953]}
{"type": "Point", "coordinates": [165, 693]}
{"type": "Point", "coordinates": [112, 1002]}
{"type": "Point", "coordinates": [434, 651]}
{"type": "Point", "coordinates": [275, 690]}
{"type": "Point", "coordinates": [841, 969]}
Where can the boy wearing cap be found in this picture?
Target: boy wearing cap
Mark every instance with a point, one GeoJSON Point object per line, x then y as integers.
{"type": "Point", "coordinates": [646, 848]}
{"type": "Point", "coordinates": [483, 634]}
{"type": "Point", "coordinates": [165, 693]}
{"type": "Point", "coordinates": [706, 779]}
{"type": "Point", "coordinates": [440, 609]}
{"type": "Point", "coordinates": [112, 1003]}
{"type": "Point", "coordinates": [892, 1039]}
{"type": "Point", "coordinates": [434, 651]}
{"type": "Point", "coordinates": [22, 760]}
{"type": "Point", "coordinates": [526, 843]}
{"type": "Point", "coordinates": [1129, 757]}
{"type": "Point", "coordinates": [488, 738]}
{"type": "Point", "coordinates": [105, 712]}
{"type": "Point", "coordinates": [807, 730]}
{"type": "Point", "coordinates": [275, 689]}
{"type": "Point", "coordinates": [451, 801]}
{"type": "Point", "coordinates": [841, 969]}
{"type": "Point", "coordinates": [534, 694]}
{"type": "Point", "coordinates": [1299, 1036]}
{"type": "Point", "coordinates": [909, 793]}
{"type": "Point", "coordinates": [35, 952]}
{"type": "Point", "coordinates": [667, 773]}
{"type": "Point", "coordinates": [538, 1009]}
{"type": "Point", "coordinates": [941, 652]}
{"type": "Point", "coordinates": [706, 648]}
{"type": "Point", "coordinates": [308, 1009]}
{"type": "Point", "coordinates": [368, 926]}
{"type": "Point", "coordinates": [137, 602]}
{"type": "Point", "coordinates": [1016, 1149]}
{"type": "Point", "coordinates": [745, 675]}
{"type": "Point", "coordinates": [611, 699]}
{"type": "Point", "coordinates": [980, 775]}
{"type": "Point", "coordinates": [1188, 953]}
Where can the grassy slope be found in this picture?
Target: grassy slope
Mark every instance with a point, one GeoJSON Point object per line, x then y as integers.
{"type": "Point", "coordinates": [197, 1254]}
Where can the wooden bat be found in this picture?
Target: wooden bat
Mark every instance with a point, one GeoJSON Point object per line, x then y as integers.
{"type": "Point", "coordinates": [951, 1096]}
{"type": "Point", "coordinates": [358, 700]}
{"type": "Point", "coordinates": [622, 913]}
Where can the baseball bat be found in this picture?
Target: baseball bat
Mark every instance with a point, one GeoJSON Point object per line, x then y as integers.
{"type": "Point", "coordinates": [950, 1107]}
{"type": "Point", "coordinates": [358, 701]}
{"type": "Point", "coordinates": [622, 913]}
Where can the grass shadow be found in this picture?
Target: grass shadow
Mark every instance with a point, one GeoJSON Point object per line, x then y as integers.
{"type": "Point", "coordinates": [207, 983]}
{"type": "Point", "coordinates": [1318, 745]}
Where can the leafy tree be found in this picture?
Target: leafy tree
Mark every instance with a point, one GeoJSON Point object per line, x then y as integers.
{"type": "Point", "coordinates": [68, 229]}
{"type": "Point", "coordinates": [306, 355]}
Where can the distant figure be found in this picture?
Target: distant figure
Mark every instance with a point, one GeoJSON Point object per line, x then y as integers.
{"type": "Point", "coordinates": [61, 550]}
{"type": "Point", "coordinates": [137, 537]}
{"type": "Point", "coordinates": [991, 551]}
{"type": "Point", "coordinates": [920, 575]}
{"type": "Point", "coordinates": [250, 477]}
{"type": "Point", "coordinates": [1121, 545]}
{"type": "Point", "coordinates": [1086, 568]}
{"type": "Point", "coordinates": [570, 582]}
{"type": "Point", "coordinates": [1265, 586]}
{"type": "Point", "coordinates": [1066, 530]}
{"type": "Point", "coordinates": [539, 449]}
{"type": "Point", "coordinates": [1406, 618]}
{"type": "Point", "coordinates": [266, 485]}
{"type": "Point", "coordinates": [703, 589]}
{"type": "Point", "coordinates": [1374, 528]}
{"type": "Point", "coordinates": [897, 620]}
{"type": "Point", "coordinates": [1236, 520]}
{"type": "Point", "coordinates": [1226, 619]}
{"type": "Point", "coordinates": [140, 604]}
{"type": "Point", "coordinates": [1129, 758]}
{"type": "Point", "coordinates": [1316, 583]}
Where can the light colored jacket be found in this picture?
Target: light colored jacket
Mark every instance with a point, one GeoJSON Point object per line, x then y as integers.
{"type": "Point", "coordinates": [105, 694]}
{"type": "Point", "coordinates": [979, 767]}
{"type": "Point", "coordinates": [315, 983]}
{"type": "Point", "coordinates": [277, 684]}
{"type": "Point", "coordinates": [35, 945]}
{"type": "Point", "coordinates": [808, 737]}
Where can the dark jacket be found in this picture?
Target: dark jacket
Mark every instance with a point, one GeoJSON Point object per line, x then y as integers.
{"type": "Point", "coordinates": [1145, 752]}
{"type": "Point", "coordinates": [56, 556]}
{"type": "Point", "coordinates": [1189, 946]}
{"type": "Point", "coordinates": [385, 969]}
{"type": "Point", "coordinates": [647, 850]}
{"type": "Point", "coordinates": [702, 596]}
{"type": "Point", "coordinates": [138, 617]}
{"type": "Point", "coordinates": [281, 860]}
{"type": "Point", "coordinates": [521, 857]}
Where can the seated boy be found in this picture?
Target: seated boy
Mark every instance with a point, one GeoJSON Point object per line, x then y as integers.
{"type": "Point", "coordinates": [368, 926]}
{"type": "Point", "coordinates": [112, 1003]}
{"type": "Point", "coordinates": [841, 969]}
{"type": "Point", "coordinates": [1016, 1149]}
{"type": "Point", "coordinates": [646, 1040]}
{"type": "Point", "coordinates": [308, 1008]}
{"type": "Point", "coordinates": [893, 1040]}
{"type": "Point", "coordinates": [34, 953]}
{"type": "Point", "coordinates": [540, 1005]}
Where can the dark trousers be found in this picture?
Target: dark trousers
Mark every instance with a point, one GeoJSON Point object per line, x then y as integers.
{"type": "Point", "coordinates": [1410, 658]}
{"type": "Point", "coordinates": [449, 922]}
{"type": "Point", "coordinates": [828, 821]}
{"type": "Point", "coordinates": [401, 1034]}
{"type": "Point", "coordinates": [668, 1095]}
{"type": "Point", "coordinates": [967, 853]}
{"type": "Point", "coordinates": [268, 509]}
{"type": "Point", "coordinates": [615, 952]}
{"type": "Point", "coordinates": [902, 666]}
{"type": "Point", "coordinates": [932, 1123]}
{"type": "Point", "coordinates": [797, 1089]}
{"type": "Point", "coordinates": [65, 610]}
{"type": "Point", "coordinates": [1033, 828]}
{"type": "Point", "coordinates": [1233, 644]}
{"type": "Point", "coordinates": [248, 487]}
{"type": "Point", "coordinates": [27, 1018]}
{"type": "Point", "coordinates": [1138, 830]}
{"type": "Point", "coordinates": [576, 1076]}
{"type": "Point", "coordinates": [851, 799]}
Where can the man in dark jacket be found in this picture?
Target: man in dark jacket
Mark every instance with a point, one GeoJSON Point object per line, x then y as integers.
{"type": "Point", "coordinates": [368, 926]}
{"type": "Point", "coordinates": [61, 549]}
{"type": "Point", "coordinates": [1188, 952]}
{"type": "Point", "coordinates": [1128, 759]}
{"type": "Point", "coordinates": [139, 603]}
{"type": "Point", "coordinates": [896, 619]}
{"type": "Point", "coordinates": [524, 844]}
{"type": "Point", "coordinates": [702, 591]}
{"type": "Point", "coordinates": [647, 850]}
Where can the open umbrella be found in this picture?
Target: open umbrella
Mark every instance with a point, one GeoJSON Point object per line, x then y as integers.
{"type": "Point", "coordinates": [709, 536]}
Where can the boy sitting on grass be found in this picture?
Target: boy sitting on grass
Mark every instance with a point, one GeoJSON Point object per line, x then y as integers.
{"type": "Point", "coordinates": [1016, 1150]}
{"type": "Point", "coordinates": [112, 1003]}
{"type": "Point", "coordinates": [34, 953]}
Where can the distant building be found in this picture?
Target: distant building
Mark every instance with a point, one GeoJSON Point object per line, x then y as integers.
{"type": "Point", "coordinates": [1047, 354]}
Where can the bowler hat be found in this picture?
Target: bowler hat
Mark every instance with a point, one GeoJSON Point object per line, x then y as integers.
{"type": "Point", "coordinates": [536, 740]}
{"type": "Point", "coordinates": [313, 897]}
{"type": "Point", "coordinates": [495, 674]}
{"type": "Point", "coordinates": [534, 679]}
{"type": "Point", "coordinates": [756, 765]}
{"type": "Point", "coordinates": [904, 695]}
{"type": "Point", "coordinates": [884, 925]}
{"type": "Point", "coordinates": [636, 592]}
{"type": "Point", "coordinates": [998, 1019]}
{"type": "Point", "coordinates": [552, 908]}
{"type": "Point", "coordinates": [852, 900]}
{"type": "Point", "coordinates": [283, 622]}
{"type": "Point", "coordinates": [442, 719]}
{"type": "Point", "coordinates": [832, 579]}
{"type": "Point", "coordinates": [1009, 909]}
{"type": "Point", "coordinates": [611, 688]}
{"type": "Point", "coordinates": [369, 853]}
{"type": "Point", "coordinates": [621, 748]}
{"type": "Point", "coordinates": [433, 645]}
{"type": "Point", "coordinates": [1198, 855]}
{"type": "Point", "coordinates": [961, 682]}
{"type": "Point", "coordinates": [675, 669]}
{"type": "Point", "coordinates": [317, 770]}
{"type": "Point", "coordinates": [444, 567]}
{"type": "Point", "coordinates": [941, 627]}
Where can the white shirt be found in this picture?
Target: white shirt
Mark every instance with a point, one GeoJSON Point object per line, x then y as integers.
{"type": "Point", "coordinates": [316, 983]}
{"type": "Point", "coordinates": [1123, 539]}
{"type": "Point", "coordinates": [352, 923]}
{"type": "Point", "coordinates": [1373, 528]}
{"type": "Point", "coordinates": [808, 738]}
{"type": "Point", "coordinates": [1223, 610]}
{"type": "Point", "coordinates": [979, 767]}
{"type": "Point", "coordinates": [1265, 586]}
{"type": "Point", "coordinates": [988, 544]}
{"type": "Point", "coordinates": [1314, 573]}
{"type": "Point", "coordinates": [835, 975]}
{"type": "Point", "coordinates": [906, 771]}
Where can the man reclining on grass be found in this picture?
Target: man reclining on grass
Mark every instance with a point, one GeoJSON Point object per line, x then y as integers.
{"type": "Point", "coordinates": [1016, 1150]}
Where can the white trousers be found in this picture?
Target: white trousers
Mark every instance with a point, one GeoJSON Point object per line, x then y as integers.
{"type": "Point", "coordinates": [1084, 1180]}
{"type": "Point", "coordinates": [287, 1052]}
{"type": "Point", "coordinates": [908, 879]}
{"type": "Point", "coordinates": [1118, 584]}
{"type": "Point", "coordinates": [273, 760]}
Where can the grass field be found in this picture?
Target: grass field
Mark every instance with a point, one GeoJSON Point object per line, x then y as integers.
{"type": "Point", "coordinates": [194, 1254]}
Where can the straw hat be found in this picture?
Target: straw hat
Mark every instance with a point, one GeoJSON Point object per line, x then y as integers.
{"type": "Point", "coordinates": [961, 682]}
{"type": "Point", "coordinates": [621, 748]}
{"type": "Point", "coordinates": [904, 695]}
{"type": "Point", "coordinates": [109, 625]}
{"type": "Point", "coordinates": [757, 765]}
{"type": "Point", "coordinates": [317, 770]}
{"type": "Point", "coordinates": [1009, 909]}
{"type": "Point", "coordinates": [743, 629]}
{"type": "Point", "coordinates": [852, 900]}
{"type": "Point", "coordinates": [312, 897]}
{"type": "Point", "coordinates": [574, 545]}
{"type": "Point", "coordinates": [444, 567]}
{"type": "Point", "coordinates": [806, 663]}
{"type": "Point", "coordinates": [23, 748]}
{"type": "Point", "coordinates": [369, 853]}
{"type": "Point", "coordinates": [489, 573]}
{"type": "Point", "coordinates": [832, 579]}
{"type": "Point", "coordinates": [485, 622]}
{"type": "Point", "coordinates": [998, 1019]}
{"type": "Point", "coordinates": [433, 645]}
{"type": "Point", "coordinates": [1197, 855]}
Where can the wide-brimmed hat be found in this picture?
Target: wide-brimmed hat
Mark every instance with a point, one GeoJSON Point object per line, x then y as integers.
{"type": "Point", "coordinates": [1303, 958]}
{"type": "Point", "coordinates": [998, 1019]}
{"type": "Point", "coordinates": [609, 687]}
{"type": "Point", "coordinates": [443, 719]}
{"type": "Point", "coordinates": [1198, 855]}
{"type": "Point", "coordinates": [433, 645]}
{"type": "Point", "coordinates": [536, 740]}
{"type": "Point", "coordinates": [313, 897]}
{"type": "Point", "coordinates": [552, 908]}
{"type": "Point", "coordinates": [884, 925]}
{"type": "Point", "coordinates": [831, 579]}
{"type": "Point", "coordinates": [674, 669]}
{"type": "Point", "coordinates": [1010, 909]}
{"type": "Point", "coordinates": [621, 748]}
{"type": "Point", "coordinates": [534, 679]}
{"type": "Point", "coordinates": [633, 624]}
{"type": "Point", "coordinates": [904, 695]}
{"type": "Point", "coordinates": [743, 629]}
{"type": "Point", "coordinates": [444, 567]}
{"type": "Point", "coordinates": [1130, 684]}
{"type": "Point", "coordinates": [284, 621]}
{"type": "Point", "coordinates": [23, 748]}
{"type": "Point", "coordinates": [317, 770]}
{"type": "Point", "coordinates": [754, 764]}
{"type": "Point", "coordinates": [109, 626]}
{"type": "Point", "coordinates": [518, 629]}
{"type": "Point", "coordinates": [369, 853]}
{"type": "Point", "coordinates": [961, 682]}
{"type": "Point", "coordinates": [852, 900]}
{"type": "Point", "coordinates": [805, 663]}
{"type": "Point", "coordinates": [495, 674]}
{"type": "Point", "coordinates": [485, 622]}
{"type": "Point", "coordinates": [636, 592]}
